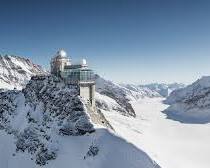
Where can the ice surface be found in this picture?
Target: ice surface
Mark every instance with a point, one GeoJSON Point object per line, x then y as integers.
{"type": "Point", "coordinates": [170, 143]}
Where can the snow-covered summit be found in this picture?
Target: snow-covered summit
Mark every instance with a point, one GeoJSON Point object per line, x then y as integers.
{"type": "Point", "coordinates": [192, 103]}
{"type": "Point", "coordinates": [16, 71]}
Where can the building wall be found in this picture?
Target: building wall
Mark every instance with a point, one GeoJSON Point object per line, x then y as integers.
{"type": "Point", "coordinates": [57, 65]}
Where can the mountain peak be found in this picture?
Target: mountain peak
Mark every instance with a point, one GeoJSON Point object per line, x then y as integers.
{"type": "Point", "coordinates": [15, 71]}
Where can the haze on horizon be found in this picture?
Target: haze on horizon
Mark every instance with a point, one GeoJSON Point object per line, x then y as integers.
{"type": "Point", "coordinates": [132, 41]}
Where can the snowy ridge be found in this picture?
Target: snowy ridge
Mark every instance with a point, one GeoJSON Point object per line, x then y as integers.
{"type": "Point", "coordinates": [192, 103]}
{"type": "Point", "coordinates": [50, 126]}
{"type": "Point", "coordinates": [16, 71]}
{"type": "Point", "coordinates": [116, 97]}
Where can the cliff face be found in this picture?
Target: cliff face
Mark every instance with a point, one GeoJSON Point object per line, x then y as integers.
{"type": "Point", "coordinates": [192, 103]}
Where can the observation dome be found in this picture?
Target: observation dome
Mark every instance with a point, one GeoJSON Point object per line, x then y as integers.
{"type": "Point", "coordinates": [61, 53]}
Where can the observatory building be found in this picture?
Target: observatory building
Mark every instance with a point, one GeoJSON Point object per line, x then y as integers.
{"type": "Point", "coordinates": [75, 74]}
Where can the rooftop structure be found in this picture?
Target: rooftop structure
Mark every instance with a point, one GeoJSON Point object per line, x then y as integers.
{"type": "Point", "coordinates": [59, 61]}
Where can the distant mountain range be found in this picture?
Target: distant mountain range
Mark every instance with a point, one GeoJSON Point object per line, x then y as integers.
{"type": "Point", "coordinates": [164, 90]}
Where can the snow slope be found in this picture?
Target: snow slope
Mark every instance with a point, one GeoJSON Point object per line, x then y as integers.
{"type": "Point", "coordinates": [16, 71]}
{"type": "Point", "coordinates": [73, 152]}
{"type": "Point", "coordinates": [170, 143]}
{"type": "Point", "coordinates": [191, 104]}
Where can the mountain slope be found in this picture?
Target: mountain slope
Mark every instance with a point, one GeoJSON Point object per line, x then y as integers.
{"type": "Point", "coordinates": [192, 103]}
{"type": "Point", "coordinates": [112, 96]}
{"type": "Point", "coordinates": [50, 126]}
{"type": "Point", "coordinates": [73, 152]}
{"type": "Point", "coordinates": [16, 71]}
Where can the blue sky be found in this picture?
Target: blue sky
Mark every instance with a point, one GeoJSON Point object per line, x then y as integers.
{"type": "Point", "coordinates": [129, 41]}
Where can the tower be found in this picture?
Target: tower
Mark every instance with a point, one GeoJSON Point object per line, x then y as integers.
{"type": "Point", "coordinates": [87, 84]}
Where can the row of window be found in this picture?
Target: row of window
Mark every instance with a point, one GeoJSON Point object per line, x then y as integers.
{"type": "Point", "coordinates": [84, 75]}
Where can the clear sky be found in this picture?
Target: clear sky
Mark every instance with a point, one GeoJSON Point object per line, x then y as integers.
{"type": "Point", "coordinates": [131, 41]}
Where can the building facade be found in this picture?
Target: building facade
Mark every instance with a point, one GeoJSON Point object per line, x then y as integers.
{"type": "Point", "coordinates": [75, 74]}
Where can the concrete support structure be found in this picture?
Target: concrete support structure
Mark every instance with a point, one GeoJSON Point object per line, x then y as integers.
{"type": "Point", "coordinates": [87, 91]}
